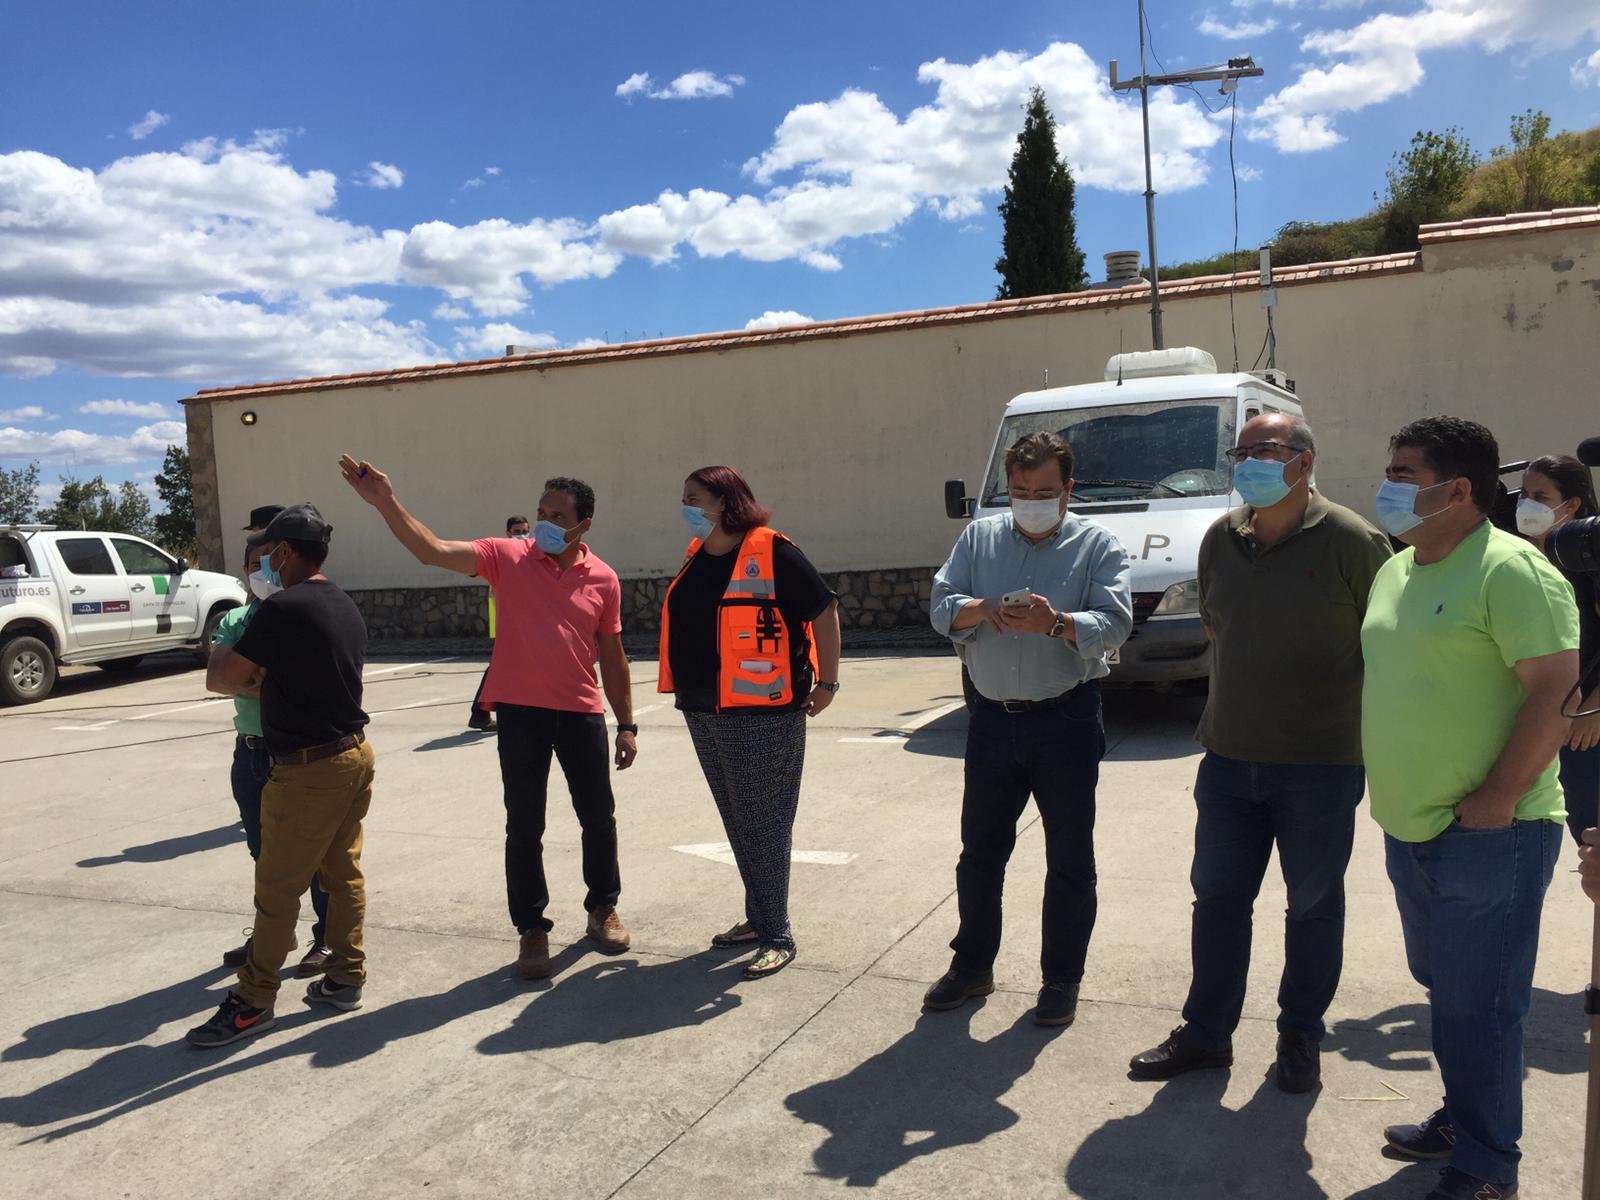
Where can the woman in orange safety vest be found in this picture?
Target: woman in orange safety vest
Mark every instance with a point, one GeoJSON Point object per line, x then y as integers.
{"type": "Point", "coordinates": [750, 649]}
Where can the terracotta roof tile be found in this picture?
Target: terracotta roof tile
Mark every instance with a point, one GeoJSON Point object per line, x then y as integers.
{"type": "Point", "coordinates": [1243, 281]}
{"type": "Point", "coordinates": [1444, 232]}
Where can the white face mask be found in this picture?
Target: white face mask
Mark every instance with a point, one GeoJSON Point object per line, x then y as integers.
{"type": "Point", "coordinates": [1534, 518]}
{"type": "Point", "coordinates": [262, 585]}
{"type": "Point", "coordinates": [1036, 516]}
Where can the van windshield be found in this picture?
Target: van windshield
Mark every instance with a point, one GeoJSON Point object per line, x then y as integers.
{"type": "Point", "coordinates": [1132, 451]}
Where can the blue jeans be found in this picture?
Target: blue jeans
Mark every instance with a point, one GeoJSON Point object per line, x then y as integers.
{"type": "Point", "coordinates": [1052, 754]}
{"type": "Point", "coordinates": [1242, 808]}
{"type": "Point", "coordinates": [1469, 906]}
{"type": "Point", "coordinates": [248, 776]}
{"type": "Point", "coordinates": [1580, 784]}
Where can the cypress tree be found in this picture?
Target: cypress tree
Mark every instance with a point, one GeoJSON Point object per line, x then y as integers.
{"type": "Point", "coordinates": [1040, 255]}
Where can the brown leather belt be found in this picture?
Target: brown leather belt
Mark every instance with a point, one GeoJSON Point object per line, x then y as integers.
{"type": "Point", "coordinates": [311, 754]}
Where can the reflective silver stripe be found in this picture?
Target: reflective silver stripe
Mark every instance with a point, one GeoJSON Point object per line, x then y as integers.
{"type": "Point", "coordinates": [745, 687]}
{"type": "Point", "coordinates": [751, 587]}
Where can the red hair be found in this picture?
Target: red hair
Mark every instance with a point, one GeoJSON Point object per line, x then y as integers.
{"type": "Point", "coordinates": [740, 512]}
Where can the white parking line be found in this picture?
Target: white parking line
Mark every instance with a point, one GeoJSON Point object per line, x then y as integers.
{"type": "Point", "coordinates": [416, 704]}
{"type": "Point", "coordinates": [407, 667]}
{"type": "Point", "coordinates": [81, 728]}
{"type": "Point", "coordinates": [897, 737]}
{"type": "Point", "coordinates": [162, 712]}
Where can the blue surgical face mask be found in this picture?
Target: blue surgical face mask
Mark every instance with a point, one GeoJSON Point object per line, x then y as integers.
{"type": "Point", "coordinates": [1260, 481]}
{"type": "Point", "coordinates": [264, 581]}
{"type": "Point", "coordinates": [549, 537]}
{"type": "Point", "coordinates": [1397, 506]}
{"type": "Point", "coordinates": [701, 523]}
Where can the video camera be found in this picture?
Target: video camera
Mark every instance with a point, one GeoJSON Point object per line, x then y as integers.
{"type": "Point", "coordinates": [1573, 547]}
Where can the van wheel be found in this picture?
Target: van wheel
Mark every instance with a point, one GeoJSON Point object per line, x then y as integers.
{"type": "Point", "coordinates": [27, 670]}
{"type": "Point", "coordinates": [118, 666]}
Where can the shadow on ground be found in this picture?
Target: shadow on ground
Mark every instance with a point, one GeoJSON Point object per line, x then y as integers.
{"type": "Point", "coordinates": [1399, 1038]}
{"type": "Point", "coordinates": [935, 1088]}
{"type": "Point", "coordinates": [620, 999]}
{"type": "Point", "coordinates": [168, 849]}
{"type": "Point", "coordinates": [134, 1077]}
{"type": "Point", "coordinates": [1186, 1143]}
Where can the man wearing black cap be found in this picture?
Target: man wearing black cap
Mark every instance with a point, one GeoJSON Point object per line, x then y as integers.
{"type": "Point", "coordinates": [251, 762]}
{"type": "Point", "coordinates": [305, 647]}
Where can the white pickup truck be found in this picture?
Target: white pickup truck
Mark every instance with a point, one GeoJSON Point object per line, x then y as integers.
{"type": "Point", "coordinates": [71, 596]}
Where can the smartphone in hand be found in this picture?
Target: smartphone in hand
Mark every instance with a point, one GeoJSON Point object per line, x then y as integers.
{"type": "Point", "coordinates": [1020, 598]}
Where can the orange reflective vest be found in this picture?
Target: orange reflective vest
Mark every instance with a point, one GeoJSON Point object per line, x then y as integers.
{"type": "Point", "coordinates": [755, 666]}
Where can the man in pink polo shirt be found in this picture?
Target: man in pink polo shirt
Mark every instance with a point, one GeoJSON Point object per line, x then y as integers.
{"type": "Point", "coordinates": [558, 611]}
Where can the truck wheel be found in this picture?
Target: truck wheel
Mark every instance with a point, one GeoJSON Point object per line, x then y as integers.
{"type": "Point", "coordinates": [208, 632]}
{"type": "Point", "coordinates": [118, 666]}
{"type": "Point", "coordinates": [27, 670]}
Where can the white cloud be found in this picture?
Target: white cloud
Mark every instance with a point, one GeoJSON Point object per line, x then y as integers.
{"type": "Point", "coordinates": [691, 85]}
{"type": "Point", "coordinates": [1211, 27]}
{"type": "Point", "coordinates": [491, 170]}
{"type": "Point", "coordinates": [777, 319]}
{"type": "Point", "coordinates": [30, 412]}
{"type": "Point", "coordinates": [850, 167]}
{"type": "Point", "coordinates": [450, 312]}
{"type": "Point", "coordinates": [484, 263]}
{"type": "Point", "coordinates": [125, 408]}
{"type": "Point", "coordinates": [1380, 58]}
{"type": "Point", "coordinates": [383, 176]}
{"type": "Point", "coordinates": [1586, 71]}
{"type": "Point", "coordinates": [76, 446]}
{"type": "Point", "coordinates": [147, 124]}
{"type": "Point", "coordinates": [1249, 174]}
{"type": "Point", "coordinates": [490, 340]}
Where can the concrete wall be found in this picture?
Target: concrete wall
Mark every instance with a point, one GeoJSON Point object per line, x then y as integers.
{"type": "Point", "coordinates": [849, 439]}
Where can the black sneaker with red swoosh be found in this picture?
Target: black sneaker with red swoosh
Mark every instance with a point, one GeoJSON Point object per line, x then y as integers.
{"type": "Point", "coordinates": [234, 1019]}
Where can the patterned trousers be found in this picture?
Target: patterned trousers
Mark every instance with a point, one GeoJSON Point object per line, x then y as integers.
{"type": "Point", "coordinates": [753, 762]}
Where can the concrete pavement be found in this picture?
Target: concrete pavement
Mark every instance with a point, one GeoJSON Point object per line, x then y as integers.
{"type": "Point", "coordinates": [660, 1073]}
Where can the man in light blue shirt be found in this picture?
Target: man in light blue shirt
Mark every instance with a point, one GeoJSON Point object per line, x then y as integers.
{"type": "Point", "coordinates": [1035, 725]}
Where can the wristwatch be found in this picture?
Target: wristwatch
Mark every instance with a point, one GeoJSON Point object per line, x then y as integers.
{"type": "Point", "coordinates": [1060, 627]}
{"type": "Point", "coordinates": [633, 729]}
{"type": "Point", "coordinates": [828, 687]}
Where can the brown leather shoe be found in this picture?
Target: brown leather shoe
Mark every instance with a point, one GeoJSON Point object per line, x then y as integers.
{"type": "Point", "coordinates": [533, 955]}
{"type": "Point", "coordinates": [606, 931]}
{"type": "Point", "coordinates": [315, 961]}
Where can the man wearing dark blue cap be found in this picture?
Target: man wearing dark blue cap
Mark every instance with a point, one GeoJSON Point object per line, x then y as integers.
{"type": "Point", "coordinates": [305, 649]}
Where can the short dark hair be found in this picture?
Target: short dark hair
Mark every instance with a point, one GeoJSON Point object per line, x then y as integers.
{"type": "Point", "coordinates": [1456, 448]}
{"type": "Point", "coordinates": [1571, 478]}
{"type": "Point", "coordinates": [582, 494]}
{"type": "Point", "coordinates": [1035, 449]}
{"type": "Point", "coordinates": [315, 553]}
{"type": "Point", "coordinates": [510, 521]}
{"type": "Point", "coordinates": [740, 510]}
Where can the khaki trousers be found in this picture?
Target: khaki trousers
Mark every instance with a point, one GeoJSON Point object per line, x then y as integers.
{"type": "Point", "coordinates": [310, 825]}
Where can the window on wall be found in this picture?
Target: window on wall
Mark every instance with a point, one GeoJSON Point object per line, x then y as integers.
{"type": "Point", "coordinates": [85, 556]}
{"type": "Point", "coordinates": [139, 559]}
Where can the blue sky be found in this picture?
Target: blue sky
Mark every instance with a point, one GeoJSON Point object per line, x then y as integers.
{"type": "Point", "coordinates": [194, 194]}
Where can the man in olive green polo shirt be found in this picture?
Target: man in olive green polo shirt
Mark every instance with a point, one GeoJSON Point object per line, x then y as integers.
{"type": "Point", "coordinates": [1283, 587]}
{"type": "Point", "coordinates": [1471, 643]}
{"type": "Point", "coordinates": [251, 762]}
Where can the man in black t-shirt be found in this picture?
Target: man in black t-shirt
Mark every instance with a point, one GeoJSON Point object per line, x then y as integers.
{"type": "Point", "coordinates": [305, 649]}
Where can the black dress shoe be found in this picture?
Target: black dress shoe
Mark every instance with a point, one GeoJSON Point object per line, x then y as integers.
{"type": "Point", "coordinates": [1058, 1004]}
{"type": "Point", "coordinates": [1299, 1062]}
{"type": "Point", "coordinates": [952, 990]}
{"type": "Point", "coordinates": [1181, 1052]}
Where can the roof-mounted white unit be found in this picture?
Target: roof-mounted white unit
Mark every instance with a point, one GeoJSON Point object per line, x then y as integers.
{"type": "Point", "coordinates": [1148, 364]}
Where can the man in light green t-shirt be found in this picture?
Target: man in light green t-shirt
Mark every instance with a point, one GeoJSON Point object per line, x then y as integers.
{"type": "Point", "coordinates": [1471, 645]}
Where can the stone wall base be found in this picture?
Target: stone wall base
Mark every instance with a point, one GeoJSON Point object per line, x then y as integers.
{"type": "Point", "coordinates": [891, 599]}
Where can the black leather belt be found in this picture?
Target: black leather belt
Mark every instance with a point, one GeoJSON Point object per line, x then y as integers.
{"type": "Point", "coordinates": [311, 754]}
{"type": "Point", "coordinates": [1022, 706]}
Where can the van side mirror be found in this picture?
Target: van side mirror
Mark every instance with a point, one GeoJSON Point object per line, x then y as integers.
{"type": "Point", "coordinates": [183, 565]}
{"type": "Point", "coordinates": [958, 505]}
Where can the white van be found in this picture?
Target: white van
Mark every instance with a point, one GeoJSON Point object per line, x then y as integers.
{"type": "Point", "coordinates": [76, 596]}
{"type": "Point", "coordinates": [1149, 444]}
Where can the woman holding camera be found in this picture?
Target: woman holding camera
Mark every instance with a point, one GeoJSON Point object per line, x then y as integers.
{"type": "Point", "coordinates": [1556, 489]}
{"type": "Point", "coordinates": [750, 647]}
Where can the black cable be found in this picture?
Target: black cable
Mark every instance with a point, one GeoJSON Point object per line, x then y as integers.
{"type": "Point", "coordinates": [1261, 352]}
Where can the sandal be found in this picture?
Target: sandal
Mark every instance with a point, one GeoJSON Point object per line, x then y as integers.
{"type": "Point", "coordinates": [742, 934]}
{"type": "Point", "coordinates": [769, 960]}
